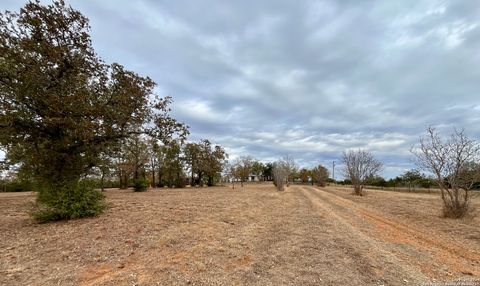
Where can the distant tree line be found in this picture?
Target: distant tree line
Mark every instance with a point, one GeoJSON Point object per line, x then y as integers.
{"type": "Point", "coordinates": [410, 179]}
{"type": "Point", "coordinates": [282, 172]}
{"type": "Point", "coordinates": [247, 168]}
{"type": "Point", "coordinates": [174, 164]}
{"type": "Point", "coordinates": [69, 122]}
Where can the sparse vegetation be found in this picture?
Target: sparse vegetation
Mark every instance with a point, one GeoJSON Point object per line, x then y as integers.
{"type": "Point", "coordinates": [238, 232]}
{"type": "Point", "coordinates": [281, 171]}
{"type": "Point", "coordinates": [80, 137]}
{"type": "Point", "coordinates": [290, 167]}
{"type": "Point", "coordinates": [140, 185]}
{"type": "Point", "coordinates": [454, 162]}
{"type": "Point", "coordinates": [360, 165]}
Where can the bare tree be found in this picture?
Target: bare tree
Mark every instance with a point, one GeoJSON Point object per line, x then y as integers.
{"type": "Point", "coordinates": [231, 173]}
{"type": "Point", "coordinates": [452, 162]}
{"type": "Point", "coordinates": [320, 175]}
{"type": "Point", "coordinates": [290, 166]}
{"type": "Point", "coordinates": [359, 166]}
{"type": "Point", "coordinates": [280, 172]}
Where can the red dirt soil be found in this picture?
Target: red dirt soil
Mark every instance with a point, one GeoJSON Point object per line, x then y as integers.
{"type": "Point", "coordinates": [246, 236]}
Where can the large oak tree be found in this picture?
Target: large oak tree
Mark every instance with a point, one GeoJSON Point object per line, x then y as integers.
{"type": "Point", "coordinates": [61, 106]}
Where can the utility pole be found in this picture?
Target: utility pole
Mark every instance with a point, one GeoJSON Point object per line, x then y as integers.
{"type": "Point", "coordinates": [333, 172]}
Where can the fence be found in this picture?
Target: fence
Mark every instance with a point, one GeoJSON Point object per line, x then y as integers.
{"type": "Point", "coordinates": [397, 189]}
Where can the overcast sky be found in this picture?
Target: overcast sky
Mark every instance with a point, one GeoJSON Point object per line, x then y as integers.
{"type": "Point", "coordinates": [306, 78]}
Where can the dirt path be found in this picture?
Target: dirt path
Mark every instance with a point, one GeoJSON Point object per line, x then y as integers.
{"type": "Point", "coordinates": [260, 239]}
{"type": "Point", "coordinates": [219, 236]}
{"type": "Point", "coordinates": [438, 258]}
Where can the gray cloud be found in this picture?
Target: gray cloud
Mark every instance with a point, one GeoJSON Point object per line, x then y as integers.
{"type": "Point", "coordinates": [309, 78]}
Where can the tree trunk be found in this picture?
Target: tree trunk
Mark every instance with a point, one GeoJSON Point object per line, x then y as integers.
{"type": "Point", "coordinates": [160, 184]}
{"type": "Point", "coordinates": [200, 177]}
{"type": "Point", "coordinates": [120, 179]}
{"type": "Point", "coordinates": [153, 178]}
{"type": "Point", "coordinates": [136, 173]}
{"type": "Point", "coordinates": [192, 177]}
{"type": "Point", "coordinates": [101, 181]}
{"type": "Point", "coordinates": [358, 190]}
{"type": "Point", "coordinates": [210, 180]}
{"type": "Point", "coordinates": [123, 180]}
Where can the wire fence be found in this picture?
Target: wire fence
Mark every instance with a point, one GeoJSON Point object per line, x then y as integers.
{"type": "Point", "coordinates": [404, 189]}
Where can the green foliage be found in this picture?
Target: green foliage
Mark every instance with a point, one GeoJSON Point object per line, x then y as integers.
{"type": "Point", "coordinates": [257, 169]}
{"type": "Point", "coordinates": [268, 171]}
{"type": "Point", "coordinates": [243, 166]}
{"type": "Point", "coordinates": [171, 170]}
{"type": "Point", "coordinates": [68, 202]}
{"type": "Point", "coordinates": [179, 183]}
{"type": "Point", "coordinates": [16, 186]}
{"type": "Point", "coordinates": [345, 182]}
{"type": "Point", "coordinates": [204, 160]}
{"type": "Point", "coordinates": [211, 182]}
{"type": "Point", "coordinates": [410, 179]}
{"type": "Point", "coordinates": [62, 107]}
{"type": "Point", "coordinates": [140, 185]}
{"type": "Point", "coordinates": [376, 181]}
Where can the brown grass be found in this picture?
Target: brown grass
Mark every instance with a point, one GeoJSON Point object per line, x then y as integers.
{"type": "Point", "coordinates": [247, 236]}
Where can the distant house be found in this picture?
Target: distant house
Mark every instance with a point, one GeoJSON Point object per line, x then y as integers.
{"type": "Point", "coordinates": [253, 178]}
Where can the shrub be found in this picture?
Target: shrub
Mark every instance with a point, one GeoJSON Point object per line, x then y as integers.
{"type": "Point", "coordinates": [68, 202]}
{"type": "Point", "coordinates": [140, 185]}
{"type": "Point", "coordinates": [16, 186]}
{"type": "Point", "coordinates": [180, 183]}
{"type": "Point", "coordinates": [280, 174]}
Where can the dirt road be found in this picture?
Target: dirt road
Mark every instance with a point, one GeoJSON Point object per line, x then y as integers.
{"type": "Point", "coordinates": [397, 243]}
{"type": "Point", "coordinates": [247, 236]}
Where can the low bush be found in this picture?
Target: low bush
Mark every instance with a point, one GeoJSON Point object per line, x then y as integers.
{"type": "Point", "coordinates": [180, 183]}
{"type": "Point", "coordinates": [140, 185]}
{"type": "Point", "coordinates": [79, 200]}
{"type": "Point", "coordinates": [16, 186]}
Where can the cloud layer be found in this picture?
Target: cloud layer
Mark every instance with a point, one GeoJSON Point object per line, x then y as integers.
{"type": "Point", "coordinates": [306, 78]}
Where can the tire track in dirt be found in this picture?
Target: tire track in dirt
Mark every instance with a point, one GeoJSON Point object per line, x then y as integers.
{"type": "Point", "coordinates": [179, 253]}
{"type": "Point", "coordinates": [437, 257]}
{"type": "Point", "coordinates": [302, 247]}
{"type": "Point", "coordinates": [365, 249]}
{"type": "Point", "coordinates": [174, 259]}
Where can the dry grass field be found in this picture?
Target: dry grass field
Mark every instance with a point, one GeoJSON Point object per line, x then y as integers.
{"type": "Point", "coordinates": [247, 236]}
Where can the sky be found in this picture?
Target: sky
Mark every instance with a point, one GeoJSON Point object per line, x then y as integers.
{"type": "Point", "coordinates": [305, 78]}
